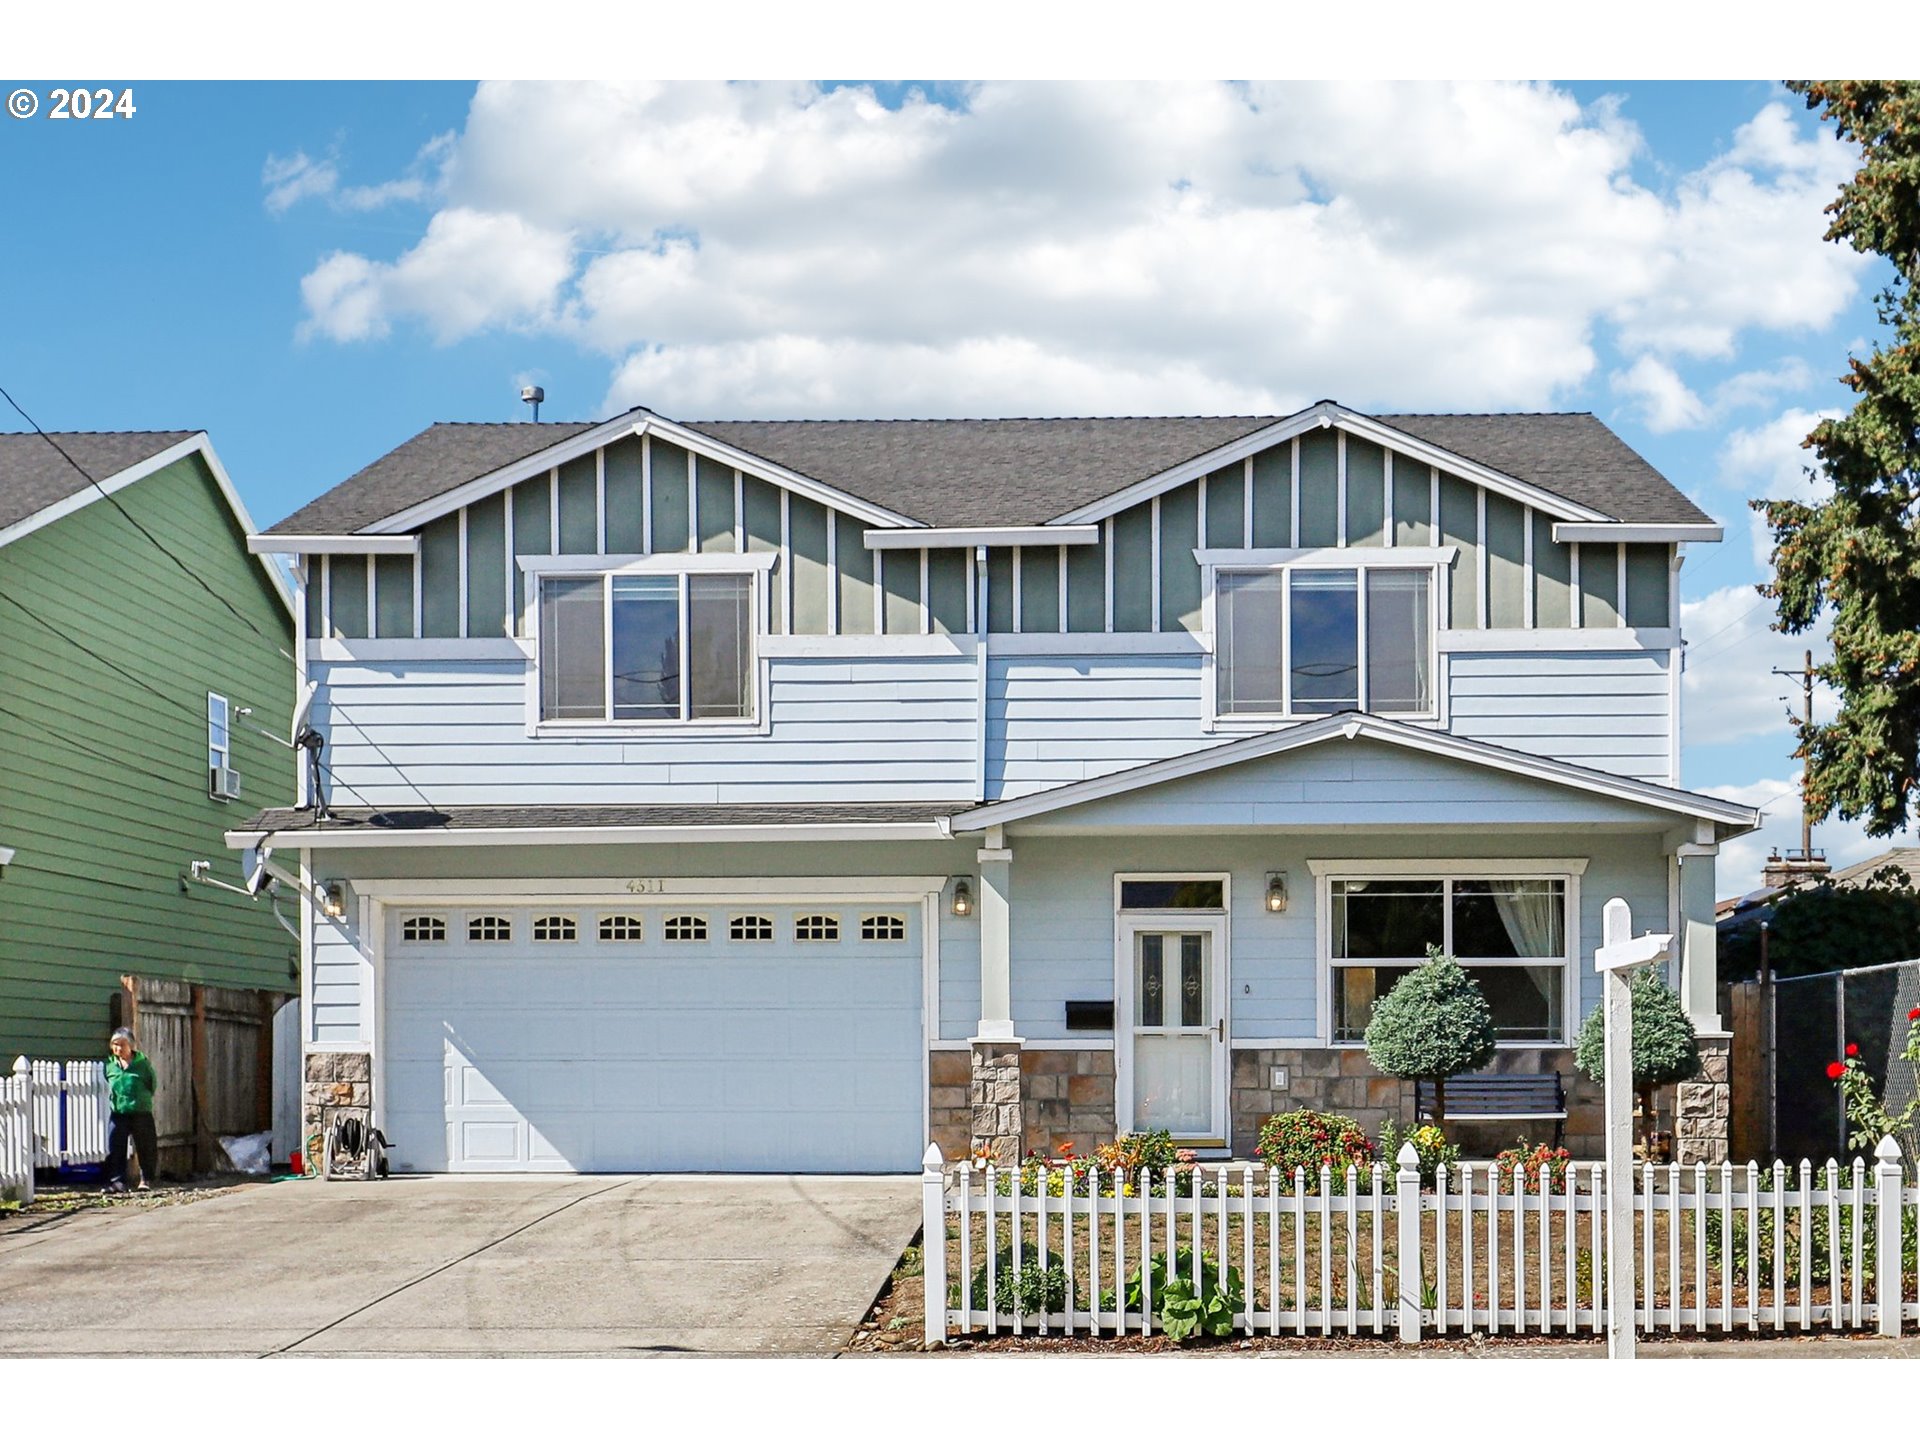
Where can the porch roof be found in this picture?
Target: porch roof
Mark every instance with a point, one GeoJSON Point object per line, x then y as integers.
{"type": "Point", "coordinates": [1496, 762]}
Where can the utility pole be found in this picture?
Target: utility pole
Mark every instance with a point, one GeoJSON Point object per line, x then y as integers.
{"type": "Point", "coordinates": [1805, 676]}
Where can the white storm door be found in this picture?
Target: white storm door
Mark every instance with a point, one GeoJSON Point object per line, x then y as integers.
{"type": "Point", "coordinates": [1176, 1028]}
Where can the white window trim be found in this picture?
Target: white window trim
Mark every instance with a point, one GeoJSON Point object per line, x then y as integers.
{"type": "Point", "coordinates": [225, 751]}
{"type": "Point", "coordinates": [1569, 871]}
{"type": "Point", "coordinates": [757, 566]}
{"type": "Point", "coordinates": [1433, 558]}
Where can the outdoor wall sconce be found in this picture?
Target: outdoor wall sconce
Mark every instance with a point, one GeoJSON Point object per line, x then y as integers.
{"type": "Point", "coordinates": [1277, 892]}
{"type": "Point", "coordinates": [962, 896]}
{"type": "Point", "coordinates": [333, 900]}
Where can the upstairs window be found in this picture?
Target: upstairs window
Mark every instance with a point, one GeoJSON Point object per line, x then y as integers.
{"type": "Point", "coordinates": [647, 648]}
{"type": "Point", "coordinates": [222, 783]}
{"type": "Point", "coordinates": [1312, 641]}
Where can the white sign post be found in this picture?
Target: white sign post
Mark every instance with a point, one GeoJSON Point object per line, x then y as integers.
{"type": "Point", "coordinates": [1619, 955]}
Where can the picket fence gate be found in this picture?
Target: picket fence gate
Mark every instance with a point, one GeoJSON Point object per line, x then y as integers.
{"type": "Point", "coordinates": [1719, 1247]}
{"type": "Point", "coordinates": [52, 1113]}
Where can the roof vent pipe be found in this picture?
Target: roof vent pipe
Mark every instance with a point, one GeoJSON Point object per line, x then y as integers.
{"type": "Point", "coordinates": [533, 395]}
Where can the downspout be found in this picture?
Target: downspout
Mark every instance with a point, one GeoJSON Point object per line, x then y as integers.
{"type": "Point", "coordinates": [980, 630]}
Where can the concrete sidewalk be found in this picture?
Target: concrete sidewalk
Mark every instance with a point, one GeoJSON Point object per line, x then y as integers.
{"type": "Point", "coordinates": [600, 1265]}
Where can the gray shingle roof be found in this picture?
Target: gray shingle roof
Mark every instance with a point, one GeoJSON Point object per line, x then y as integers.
{"type": "Point", "coordinates": [591, 817]}
{"type": "Point", "coordinates": [1015, 472]}
{"type": "Point", "coordinates": [33, 475]}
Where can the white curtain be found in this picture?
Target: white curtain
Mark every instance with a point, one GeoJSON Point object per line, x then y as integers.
{"type": "Point", "coordinates": [1530, 912]}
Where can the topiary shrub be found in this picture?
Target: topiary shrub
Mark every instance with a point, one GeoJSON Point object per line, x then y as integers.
{"type": "Point", "coordinates": [1436, 1022]}
{"type": "Point", "coordinates": [1664, 1050]}
{"type": "Point", "coordinates": [1306, 1140]}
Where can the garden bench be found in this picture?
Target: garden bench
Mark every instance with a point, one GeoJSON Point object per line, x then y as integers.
{"type": "Point", "coordinates": [1499, 1097]}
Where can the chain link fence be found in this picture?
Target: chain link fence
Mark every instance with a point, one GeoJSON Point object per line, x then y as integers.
{"type": "Point", "coordinates": [1815, 1018]}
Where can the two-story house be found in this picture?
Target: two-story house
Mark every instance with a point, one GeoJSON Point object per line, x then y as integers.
{"type": "Point", "coordinates": [777, 796]}
{"type": "Point", "coordinates": [146, 661]}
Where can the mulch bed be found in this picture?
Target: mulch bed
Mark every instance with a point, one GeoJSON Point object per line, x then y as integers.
{"type": "Point", "coordinates": [57, 1203]}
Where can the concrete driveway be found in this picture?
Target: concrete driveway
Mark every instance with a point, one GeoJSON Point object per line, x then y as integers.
{"type": "Point", "coordinates": [596, 1265]}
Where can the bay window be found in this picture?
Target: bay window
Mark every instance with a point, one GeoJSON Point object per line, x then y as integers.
{"type": "Point", "coordinates": [647, 647]}
{"type": "Point", "coordinates": [1316, 639]}
{"type": "Point", "coordinates": [1511, 933]}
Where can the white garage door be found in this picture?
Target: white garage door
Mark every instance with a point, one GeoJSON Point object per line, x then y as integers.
{"type": "Point", "coordinates": [683, 1037]}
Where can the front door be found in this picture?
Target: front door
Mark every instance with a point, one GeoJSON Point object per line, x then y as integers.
{"type": "Point", "coordinates": [1177, 1029]}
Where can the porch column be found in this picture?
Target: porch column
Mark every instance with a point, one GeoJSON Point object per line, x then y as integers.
{"type": "Point", "coordinates": [1703, 1105]}
{"type": "Point", "coordinates": [996, 1099]}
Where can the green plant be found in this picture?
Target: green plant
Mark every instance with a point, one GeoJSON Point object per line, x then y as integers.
{"type": "Point", "coordinates": [1026, 1290]}
{"type": "Point", "coordinates": [1183, 1309]}
{"type": "Point", "coordinates": [1534, 1164]}
{"type": "Point", "coordinates": [1664, 1047]}
{"type": "Point", "coordinates": [1815, 1236]}
{"type": "Point", "coordinates": [1148, 1150]}
{"type": "Point", "coordinates": [1429, 1143]}
{"type": "Point", "coordinates": [1434, 1023]}
{"type": "Point", "coordinates": [1868, 1120]}
{"type": "Point", "coordinates": [1307, 1140]}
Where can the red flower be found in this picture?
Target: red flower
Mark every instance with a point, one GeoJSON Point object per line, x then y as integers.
{"type": "Point", "coordinates": [1836, 1070]}
{"type": "Point", "coordinates": [1914, 1014]}
{"type": "Point", "coordinates": [1852, 1050]}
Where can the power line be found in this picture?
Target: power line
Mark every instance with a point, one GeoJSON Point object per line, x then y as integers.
{"type": "Point", "coordinates": [195, 576]}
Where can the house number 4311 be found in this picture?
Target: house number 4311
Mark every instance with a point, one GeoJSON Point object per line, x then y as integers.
{"type": "Point", "coordinates": [646, 887]}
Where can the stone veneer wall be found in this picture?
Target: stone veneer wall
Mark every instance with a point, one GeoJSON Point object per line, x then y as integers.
{"type": "Point", "coordinates": [1067, 1096]}
{"type": "Point", "coordinates": [338, 1084]}
{"type": "Point", "coordinates": [1704, 1107]}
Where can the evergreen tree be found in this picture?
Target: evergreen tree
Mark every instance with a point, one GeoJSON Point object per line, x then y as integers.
{"type": "Point", "coordinates": [1856, 555]}
{"type": "Point", "coordinates": [1664, 1052]}
{"type": "Point", "coordinates": [1434, 1023]}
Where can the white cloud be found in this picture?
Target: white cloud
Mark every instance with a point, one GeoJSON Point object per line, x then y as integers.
{"type": "Point", "coordinates": [292, 178]}
{"type": "Point", "coordinates": [1771, 462]}
{"type": "Point", "coordinates": [1662, 398]}
{"type": "Point", "coordinates": [1846, 842]}
{"type": "Point", "coordinates": [779, 249]}
{"type": "Point", "coordinates": [1728, 691]}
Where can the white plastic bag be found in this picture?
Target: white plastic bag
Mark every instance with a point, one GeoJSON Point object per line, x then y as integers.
{"type": "Point", "coordinates": [249, 1154]}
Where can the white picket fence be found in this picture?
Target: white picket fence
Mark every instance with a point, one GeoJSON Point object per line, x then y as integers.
{"type": "Point", "coordinates": [1718, 1248]}
{"type": "Point", "coordinates": [52, 1113]}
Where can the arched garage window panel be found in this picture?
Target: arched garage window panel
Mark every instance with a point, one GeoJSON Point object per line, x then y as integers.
{"type": "Point", "coordinates": [622, 928]}
{"type": "Point", "coordinates": [750, 927]}
{"type": "Point", "coordinates": [883, 927]}
{"type": "Point", "coordinates": [816, 927]}
{"type": "Point", "coordinates": [686, 927]}
{"type": "Point", "coordinates": [489, 929]}
{"type": "Point", "coordinates": [423, 929]}
{"type": "Point", "coordinates": [556, 929]}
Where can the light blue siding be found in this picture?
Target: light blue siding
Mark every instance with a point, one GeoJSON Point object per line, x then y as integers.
{"type": "Point", "coordinates": [1053, 719]}
{"type": "Point", "coordinates": [855, 729]}
{"type": "Point", "coordinates": [1612, 710]}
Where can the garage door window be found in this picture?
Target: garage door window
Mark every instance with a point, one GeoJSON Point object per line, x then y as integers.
{"type": "Point", "coordinates": [750, 927]}
{"type": "Point", "coordinates": [490, 929]}
{"type": "Point", "coordinates": [554, 929]}
{"type": "Point", "coordinates": [686, 927]}
{"type": "Point", "coordinates": [626, 928]}
{"type": "Point", "coordinates": [816, 927]}
{"type": "Point", "coordinates": [883, 927]}
{"type": "Point", "coordinates": [423, 929]}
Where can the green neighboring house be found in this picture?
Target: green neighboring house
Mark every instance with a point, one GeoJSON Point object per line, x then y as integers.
{"type": "Point", "coordinates": [125, 688]}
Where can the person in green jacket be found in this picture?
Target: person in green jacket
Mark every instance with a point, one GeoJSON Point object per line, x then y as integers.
{"type": "Point", "coordinates": [130, 1087]}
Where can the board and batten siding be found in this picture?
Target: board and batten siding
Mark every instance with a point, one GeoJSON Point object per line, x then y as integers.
{"type": "Point", "coordinates": [1325, 488]}
{"type": "Point", "coordinates": [874, 728]}
{"type": "Point", "coordinates": [105, 793]}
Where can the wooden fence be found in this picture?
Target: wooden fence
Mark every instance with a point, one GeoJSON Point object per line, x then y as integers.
{"type": "Point", "coordinates": [212, 1051]}
{"type": "Point", "coordinates": [1073, 1249]}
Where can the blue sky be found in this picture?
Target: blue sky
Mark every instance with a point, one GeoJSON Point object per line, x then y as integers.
{"type": "Point", "coordinates": [312, 272]}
